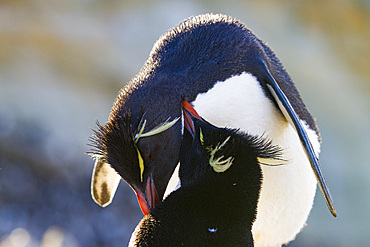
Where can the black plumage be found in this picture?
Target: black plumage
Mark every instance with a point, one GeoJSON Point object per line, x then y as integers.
{"type": "Point", "coordinates": [186, 61]}
{"type": "Point", "coordinates": [211, 208]}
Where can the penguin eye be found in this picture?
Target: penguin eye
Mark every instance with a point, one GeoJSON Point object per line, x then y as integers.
{"type": "Point", "coordinates": [150, 157]}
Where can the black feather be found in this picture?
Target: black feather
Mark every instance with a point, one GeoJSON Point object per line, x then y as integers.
{"type": "Point", "coordinates": [211, 208]}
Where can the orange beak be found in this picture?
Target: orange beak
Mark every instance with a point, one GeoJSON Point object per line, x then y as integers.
{"type": "Point", "coordinates": [189, 111]}
{"type": "Point", "coordinates": [150, 200]}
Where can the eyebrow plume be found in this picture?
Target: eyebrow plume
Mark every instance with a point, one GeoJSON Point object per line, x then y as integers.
{"type": "Point", "coordinates": [156, 130]}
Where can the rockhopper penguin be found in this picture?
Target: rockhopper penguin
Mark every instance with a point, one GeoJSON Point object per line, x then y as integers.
{"type": "Point", "coordinates": [216, 205]}
{"type": "Point", "coordinates": [232, 79]}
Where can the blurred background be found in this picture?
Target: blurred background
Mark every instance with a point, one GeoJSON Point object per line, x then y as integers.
{"type": "Point", "coordinates": [63, 62]}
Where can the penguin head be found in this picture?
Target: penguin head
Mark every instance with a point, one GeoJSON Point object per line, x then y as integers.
{"type": "Point", "coordinates": [137, 145]}
{"type": "Point", "coordinates": [205, 151]}
{"type": "Point", "coordinates": [209, 153]}
{"type": "Point", "coordinates": [221, 179]}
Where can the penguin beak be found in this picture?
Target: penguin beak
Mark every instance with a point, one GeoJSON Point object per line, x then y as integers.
{"type": "Point", "coordinates": [189, 112]}
{"type": "Point", "coordinates": [149, 199]}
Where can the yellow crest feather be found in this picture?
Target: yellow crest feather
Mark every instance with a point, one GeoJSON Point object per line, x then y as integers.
{"type": "Point", "coordinates": [218, 164]}
{"type": "Point", "coordinates": [138, 135]}
{"type": "Point", "coordinates": [141, 164]}
{"type": "Point", "coordinates": [201, 136]}
{"type": "Point", "coordinates": [156, 130]}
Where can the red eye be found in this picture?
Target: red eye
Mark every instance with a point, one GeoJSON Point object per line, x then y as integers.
{"type": "Point", "coordinates": [150, 157]}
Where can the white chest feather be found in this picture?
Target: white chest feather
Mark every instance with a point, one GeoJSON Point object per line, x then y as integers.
{"type": "Point", "coordinates": [288, 190]}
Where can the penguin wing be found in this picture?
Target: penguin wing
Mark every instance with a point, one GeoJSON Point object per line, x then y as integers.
{"type": "Point", "coordinates": [104, 183]}
{"type": "Point", "coordinates": [289, 113]}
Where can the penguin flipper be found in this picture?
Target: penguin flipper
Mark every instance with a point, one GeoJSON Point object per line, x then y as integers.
{"type": "Point", "coordinates": [104, 183]}
{"type": "Point", "coordinates": [290, 115]}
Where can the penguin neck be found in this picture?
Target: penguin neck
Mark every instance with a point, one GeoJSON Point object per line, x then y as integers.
{"type": "Point", "coordinates": [222, 195]}
{"type": "Point", "coordinates": [210, 206]}
{"type": "Point", "coordinates": [225, 200]}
